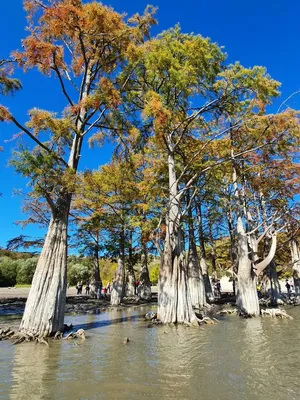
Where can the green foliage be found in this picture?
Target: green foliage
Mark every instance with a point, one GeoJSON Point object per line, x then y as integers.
{"type": "Point", "coordinates": [78, 272]}
{"type": "Point", "coordinates": [8, 271]}
{"type": "Point", "coordinates": [26, 270]}
{"type": "Point", "coordinates": [154, 273]}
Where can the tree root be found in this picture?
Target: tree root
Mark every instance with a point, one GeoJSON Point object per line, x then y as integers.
{"type": "Point", "coordinates": [275, 312]}
{"type": "Point", "coordinates": [29, 337]}
{"type": "Point", "coordinates": [80, 334]}
{"type": "Point", "coordinates": [228, 311]}
{"type": "Point", "coordinates": [207, 321]}
{"type": "Point", "coordinates": [6, 334]}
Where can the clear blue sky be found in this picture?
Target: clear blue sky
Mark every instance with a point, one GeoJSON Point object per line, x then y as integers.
{"type": "Point", "coordinates": [254, 32]}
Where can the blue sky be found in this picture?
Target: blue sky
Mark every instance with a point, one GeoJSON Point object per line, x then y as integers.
{"type": "Point", "coordinates": [254, 32]}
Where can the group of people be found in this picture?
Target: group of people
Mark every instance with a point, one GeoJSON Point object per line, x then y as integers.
{"type": "Point", "coordinates": [100, 291]}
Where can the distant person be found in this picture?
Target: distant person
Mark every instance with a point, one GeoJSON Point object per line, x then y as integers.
{"type": "Point", "coordinates": [105, 292]}
{"type": "Point", "coordinates": [288, 287]}
{"type": "Point", "coordinates": [87, 289]}
{"type": "Point", "coordinates": [79, 287]}
{"type": "Point", "coordinates": [108, 287]}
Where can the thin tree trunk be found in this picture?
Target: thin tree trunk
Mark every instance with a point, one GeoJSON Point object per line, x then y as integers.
{"type": "Point", "coordinates": [130, 290]}
{"type": "Point", "coordinates": [295, 253]}
{"type": "Point", "coordinates": [203, 263]}
{"type": "Point", "coordinates": [174, 300]}
{"type": "Point", "coordinates": [45, 306]}
{"type": "Point", "coordinates": [144, 289]}
{"type": "Point", "coordinates": [118, 285]}
{"type": "Point", "coordinates": [96, 274]}
{"type": "Point", "coordinates": [271, 282]}
{"type": "Point", "coordinates": [195, 278]}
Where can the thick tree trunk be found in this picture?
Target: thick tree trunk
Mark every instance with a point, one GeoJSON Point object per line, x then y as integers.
{"type": "Point", "coordinates": [246, 290]}
{"type": "Point", "coordinates": [295, 253]}
{"type": "Point", "coordinates": [144, 289]}
{"type": "Point", "coordinates": [174, 300]}
{"type": "Point", "coordinates": [45, 306]}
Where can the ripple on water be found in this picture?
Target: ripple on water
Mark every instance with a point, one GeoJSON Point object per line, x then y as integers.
{"type": "Point", "coordinates": [236, 359]}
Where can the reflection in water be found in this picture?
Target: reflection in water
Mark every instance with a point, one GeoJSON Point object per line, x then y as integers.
{"type": "Point", "coordinates": [33, 373]}
{"type": "Point", "coordinates": [237, 359]}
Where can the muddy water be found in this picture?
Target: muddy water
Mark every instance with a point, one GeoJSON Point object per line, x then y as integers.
{"type": "Point", "coordinates": [234, 360]}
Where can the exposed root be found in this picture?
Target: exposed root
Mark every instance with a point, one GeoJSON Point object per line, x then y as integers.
{"type": "Point", "coordinates": [207, 321]}
{"type": "Point", "coordinates": [29, 337]}
{"type": "Point", "coordinates": [228, 311]}
{"type": "Point", "coordinates": [58, 335]}
{"type": "Point", "coordinates": [80, 334]}
{"type": "Point", "coordinates": [275, 312]}
{"type": "Point", "coordinates": [6, 334]}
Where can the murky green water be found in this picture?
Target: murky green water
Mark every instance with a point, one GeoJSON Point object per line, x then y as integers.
{"type": "Point", "coordinates": [234, 360]}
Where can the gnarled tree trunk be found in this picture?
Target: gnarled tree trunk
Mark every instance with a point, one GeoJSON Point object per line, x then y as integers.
{"type": "Point", "coordinates": [45, 306]}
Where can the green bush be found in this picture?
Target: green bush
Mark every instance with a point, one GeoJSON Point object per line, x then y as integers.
{"type": "Point", "coordinates": [8, 271]}
{"type": "Point", "coordinates": [78, 272]}
{"type": "Point", "coordinates": [26, 270]}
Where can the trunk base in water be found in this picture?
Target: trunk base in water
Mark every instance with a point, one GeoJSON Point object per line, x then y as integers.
{"type": "Point", "coordinates": [247, 298]}
{"type": "Point", "coordinates": [174, 301]}
{"type": "Point", "coordinates": [45, 306]}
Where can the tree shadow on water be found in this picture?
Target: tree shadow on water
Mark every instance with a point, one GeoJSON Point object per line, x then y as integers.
{"type": "Point", "coordinates": [107, 322]}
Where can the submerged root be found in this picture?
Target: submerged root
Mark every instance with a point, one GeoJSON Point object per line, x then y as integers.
{"type": "Point", "coordinates": [275, 312]}
{"type": "Point", "coordinates": [80, 334]}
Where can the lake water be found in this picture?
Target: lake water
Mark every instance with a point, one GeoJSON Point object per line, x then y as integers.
{"type": "Point", "coordinates": [234, 360]}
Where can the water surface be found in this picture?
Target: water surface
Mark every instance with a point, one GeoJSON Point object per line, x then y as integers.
{"type": "Point", "coordinates": [237, 359]}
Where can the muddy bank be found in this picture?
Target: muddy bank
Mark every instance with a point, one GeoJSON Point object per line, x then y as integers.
{"type": "Point", "coordinates": [74, 305]}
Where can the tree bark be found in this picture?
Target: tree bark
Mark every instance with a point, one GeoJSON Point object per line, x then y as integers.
{"type": "Point", "coordinates": [295, 253]}
{"type": "Point", "coordinates": [246, 296]}
{"type": "Point", "coordinates": [45, 306]}
{"type": "Point", "coordinates": [144, 289]}
{"type": "Point", "coordinates": [130, 290]}
{"type": "Point", "coordinates": [246, 291]}
{"type": "Point", "coordinates": [118, 285]}
{"type": "Point", "coordinates": [195, 278]}
{"type": "Point", "coordinates": [203, 263]}
{"type": "Point", "coordinates": [174, 300]}
{"type": "Point", "coordinates": [96, 274]}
